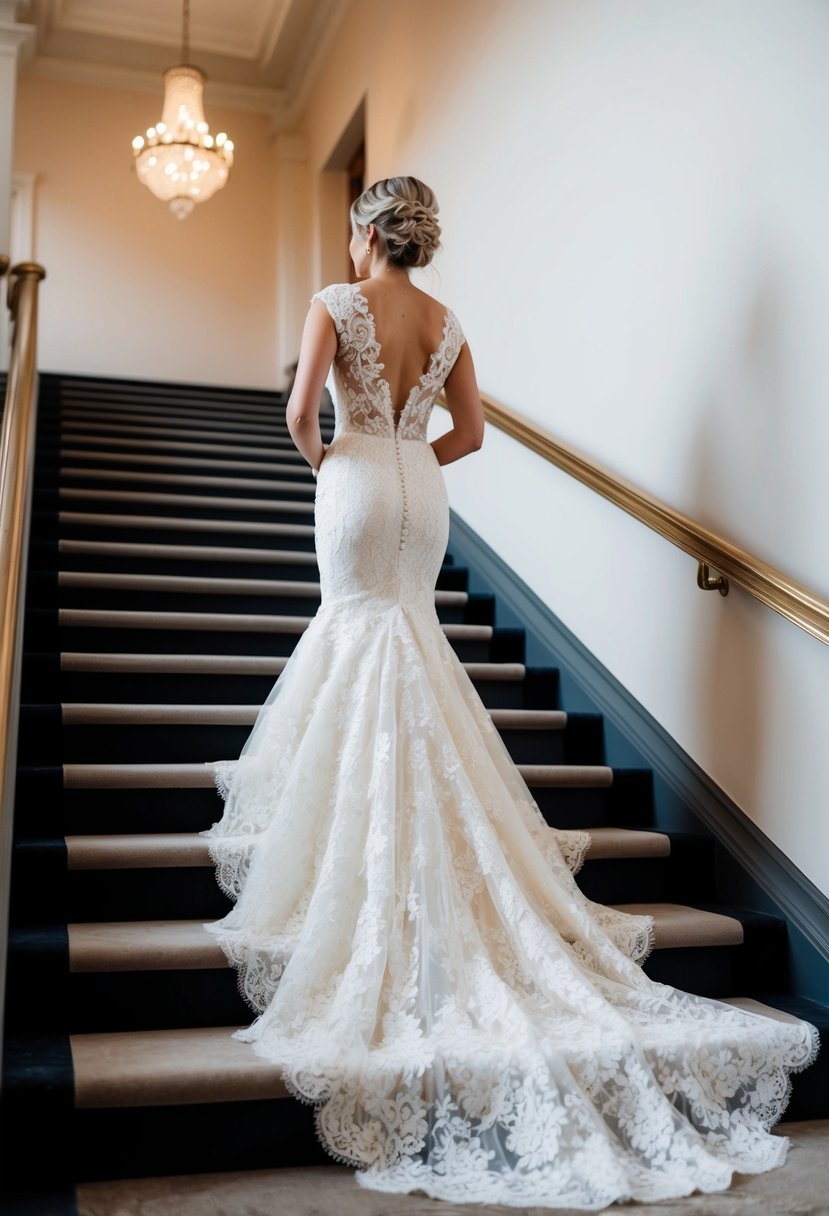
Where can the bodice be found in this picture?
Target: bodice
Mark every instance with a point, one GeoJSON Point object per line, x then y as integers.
{"type": "Point", "coordinates": [362, 397]}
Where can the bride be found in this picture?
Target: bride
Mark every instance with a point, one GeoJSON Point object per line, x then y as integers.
{"type": "Point", "coordinates": [406, 926]}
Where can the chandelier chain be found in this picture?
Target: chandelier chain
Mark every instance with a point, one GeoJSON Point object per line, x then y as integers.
{"type": "Point", "coordinates": [185, 33]}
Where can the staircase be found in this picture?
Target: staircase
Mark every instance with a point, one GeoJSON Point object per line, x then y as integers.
{"type": "Point", "coordinates": [172, 571]}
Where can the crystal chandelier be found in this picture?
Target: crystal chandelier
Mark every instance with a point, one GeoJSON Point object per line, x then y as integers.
{"type": "Point", "coordinates": [178, 159]}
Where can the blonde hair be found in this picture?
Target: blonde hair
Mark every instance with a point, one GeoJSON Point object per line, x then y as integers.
{"type": "Point", "coordinates": [404, 211]}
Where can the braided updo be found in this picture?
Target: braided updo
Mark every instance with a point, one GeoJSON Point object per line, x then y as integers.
{"type": "Point", "coordinates": [404, 211]}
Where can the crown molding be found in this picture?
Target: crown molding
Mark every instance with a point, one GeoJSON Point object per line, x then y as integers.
{"type": "Point", "coordinates": [259, 100]}
{"type": "Point", "coordinates": [18, 41]}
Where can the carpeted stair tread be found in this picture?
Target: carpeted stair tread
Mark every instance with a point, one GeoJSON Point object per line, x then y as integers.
{"type": "Point", "coordinates": [196, 776]}
{"type": "Point", "coordinates": [232, 664]}
{"type": "Point", "coordinates": [148, 945]}
{"type": "Point", "coordinates": [170, 945]}
{"type": "Point", "coordinates": [612, 842]}
{"type": "Point", "coordinates": [145, 850]}
{"type": "Point", "coordinates": [215, 586]}
{"type": "Point", "coordinates": [219, 502]}
{"type": "Point", "coordinates": [155, 850]}
{"type": "Point", "coordinates": [168, 1067]}
{"type": "Point", "coordinates": [165, 714]}
{"type": "Point", "coordinates": [177, 553]}
{"type": "Point", "coordinates": [677, 926]}
{"type": "Point", "coordinates": [177, 523]}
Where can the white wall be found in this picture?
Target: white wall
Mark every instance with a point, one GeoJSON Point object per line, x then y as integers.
{"type": "Point", "coordinates": [634, 201]}
{"type": "Point", "coordinates": [130, 290]}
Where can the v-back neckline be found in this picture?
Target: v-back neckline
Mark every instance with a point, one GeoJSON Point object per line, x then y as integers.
{"type": "Point", "coordinates": [396, 414]}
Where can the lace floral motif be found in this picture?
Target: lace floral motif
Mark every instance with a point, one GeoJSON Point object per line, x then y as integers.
{"type": "Point", "coordinates": [363, 401]}
{"type": "Point", "coordinates": [406, 926]}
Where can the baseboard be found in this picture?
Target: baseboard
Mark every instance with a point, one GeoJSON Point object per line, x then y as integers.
{"type": "Point", "coordinates": [549, 640]}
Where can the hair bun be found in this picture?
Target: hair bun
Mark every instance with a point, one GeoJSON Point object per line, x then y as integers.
{"type": "Point", "coordinates": [404, 210]}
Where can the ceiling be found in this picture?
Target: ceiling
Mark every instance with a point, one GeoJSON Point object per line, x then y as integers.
{"type": "Point", "coordinates": [260, 55]}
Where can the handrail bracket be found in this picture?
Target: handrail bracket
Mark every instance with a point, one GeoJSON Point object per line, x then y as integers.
{"type": "Point", "coordinates": [707, 582]}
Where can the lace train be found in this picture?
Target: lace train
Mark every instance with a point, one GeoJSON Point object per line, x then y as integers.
{"type": "Point", "coordinates": [425, 969]}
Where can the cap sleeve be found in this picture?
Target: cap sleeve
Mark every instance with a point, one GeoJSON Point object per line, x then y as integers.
{"type": "Point", "coordinates": [337, 298]}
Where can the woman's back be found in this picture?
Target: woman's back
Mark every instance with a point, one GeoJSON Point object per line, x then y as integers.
{"type": "Point", "coordinates": [408, 327]}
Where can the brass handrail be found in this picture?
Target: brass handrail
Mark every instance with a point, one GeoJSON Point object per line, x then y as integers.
{"type": "Point", "coordinates": [17, 445]}
{"type": "Point", "coordinates": [765, 582]}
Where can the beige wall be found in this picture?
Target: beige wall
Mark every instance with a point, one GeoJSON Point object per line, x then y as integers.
{"type": "Point", "coordinates": [131, 290]}
{"type": "Point", "coordinates": [634, 200]}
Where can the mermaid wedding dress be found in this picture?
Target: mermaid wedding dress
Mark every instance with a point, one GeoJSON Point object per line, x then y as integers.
{"type": "Point", "coordinates": [407, 927]}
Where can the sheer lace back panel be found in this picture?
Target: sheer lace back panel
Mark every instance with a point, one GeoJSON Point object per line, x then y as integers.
{"type": "Point", "coordinates": [363, 398]}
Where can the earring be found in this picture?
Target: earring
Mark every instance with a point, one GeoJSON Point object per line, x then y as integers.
{"type": "Point", "coordinates": [368, 249]}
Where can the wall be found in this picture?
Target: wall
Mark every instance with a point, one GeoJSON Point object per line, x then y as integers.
{"type": "Point", "coordinates": [131, 290]}
{"type": "Point", "coordinates": [634, 201]}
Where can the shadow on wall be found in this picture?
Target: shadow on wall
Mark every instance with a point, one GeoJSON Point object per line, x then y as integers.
{"type": "Point", "coordinates": [731, 682]}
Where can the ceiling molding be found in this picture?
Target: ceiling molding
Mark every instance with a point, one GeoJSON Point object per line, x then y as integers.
{"type": "Point", "coordinates": [215, 26]}
{"type": "Point", "coordinates": [263, 56]}
{"type": "Point", "coordinates": [271, 102]}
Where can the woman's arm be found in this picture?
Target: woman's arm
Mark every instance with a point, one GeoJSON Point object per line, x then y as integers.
{"type": "Point", "coordinates": [316, 353]}
{"type": "Point", "coordinates": [464, 401]}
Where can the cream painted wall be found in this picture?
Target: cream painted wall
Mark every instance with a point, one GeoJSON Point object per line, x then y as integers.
{"type": "Point", "coordinates": [634, 200]}
{"type": "Point", "coordinates": [131, 290]}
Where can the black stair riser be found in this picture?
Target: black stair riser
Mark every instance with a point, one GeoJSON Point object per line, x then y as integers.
{"type": "Point", "coordinates": [47, 809]}
{"type": "Point", "coordinates": [46, 500]}
{"type": "Point", "coordinates": [44, 739]}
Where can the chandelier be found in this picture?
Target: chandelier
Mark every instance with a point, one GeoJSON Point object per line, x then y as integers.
{"type": "Point", "coordinates": [178, 159]}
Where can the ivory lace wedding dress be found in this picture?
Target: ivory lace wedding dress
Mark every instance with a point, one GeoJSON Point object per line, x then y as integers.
{"type": "Point", "coordinates": [407, 927]}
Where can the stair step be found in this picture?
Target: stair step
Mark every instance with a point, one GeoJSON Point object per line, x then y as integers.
{"type": "Point", "coordinates": [96, 713]}
{"type": "Point", "coordinates": [271, 485]}
{"type": "Point", "coordinates": [169, 1067]}
{"type": "Point", "coordinates": [236, 425]}
{"type": "Point", "coordinates": [105, 393]}
{"type": "Point", "coordinates": [273, 466]}
{"type": "Point", "coordinates": [281, 452]}
{"type": "Point", "coordinates": [236, 622]}
{"type": "Point", "coordinates": [678, 926]}
{"type": "Point", "coordinates": [178, 553]}
{"type": "Point", "coordinates": [176, 945]}
{"type": "Point", "coordinates": [211, 502]}
{"type": "Point", "coordinates": [189, 1066]}
{"type": "Point", "coordinates": [157, 850]}
{"type": "Point", "coordinates": [177, 523]}
{"type": "Point", "coordinates": [214, 586]}
{"type": "Point", "coordinates": [233, 664]}
{"type": "Point", "coordinates": [80, 429]}
{"type": "Point", "coordinates": [197, 776]}
{"type": "Point", "coordinates": [135, 412]}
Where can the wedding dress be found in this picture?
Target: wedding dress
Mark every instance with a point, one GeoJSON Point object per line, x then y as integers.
{"type": "Point", "coordinates": [408, 928]}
